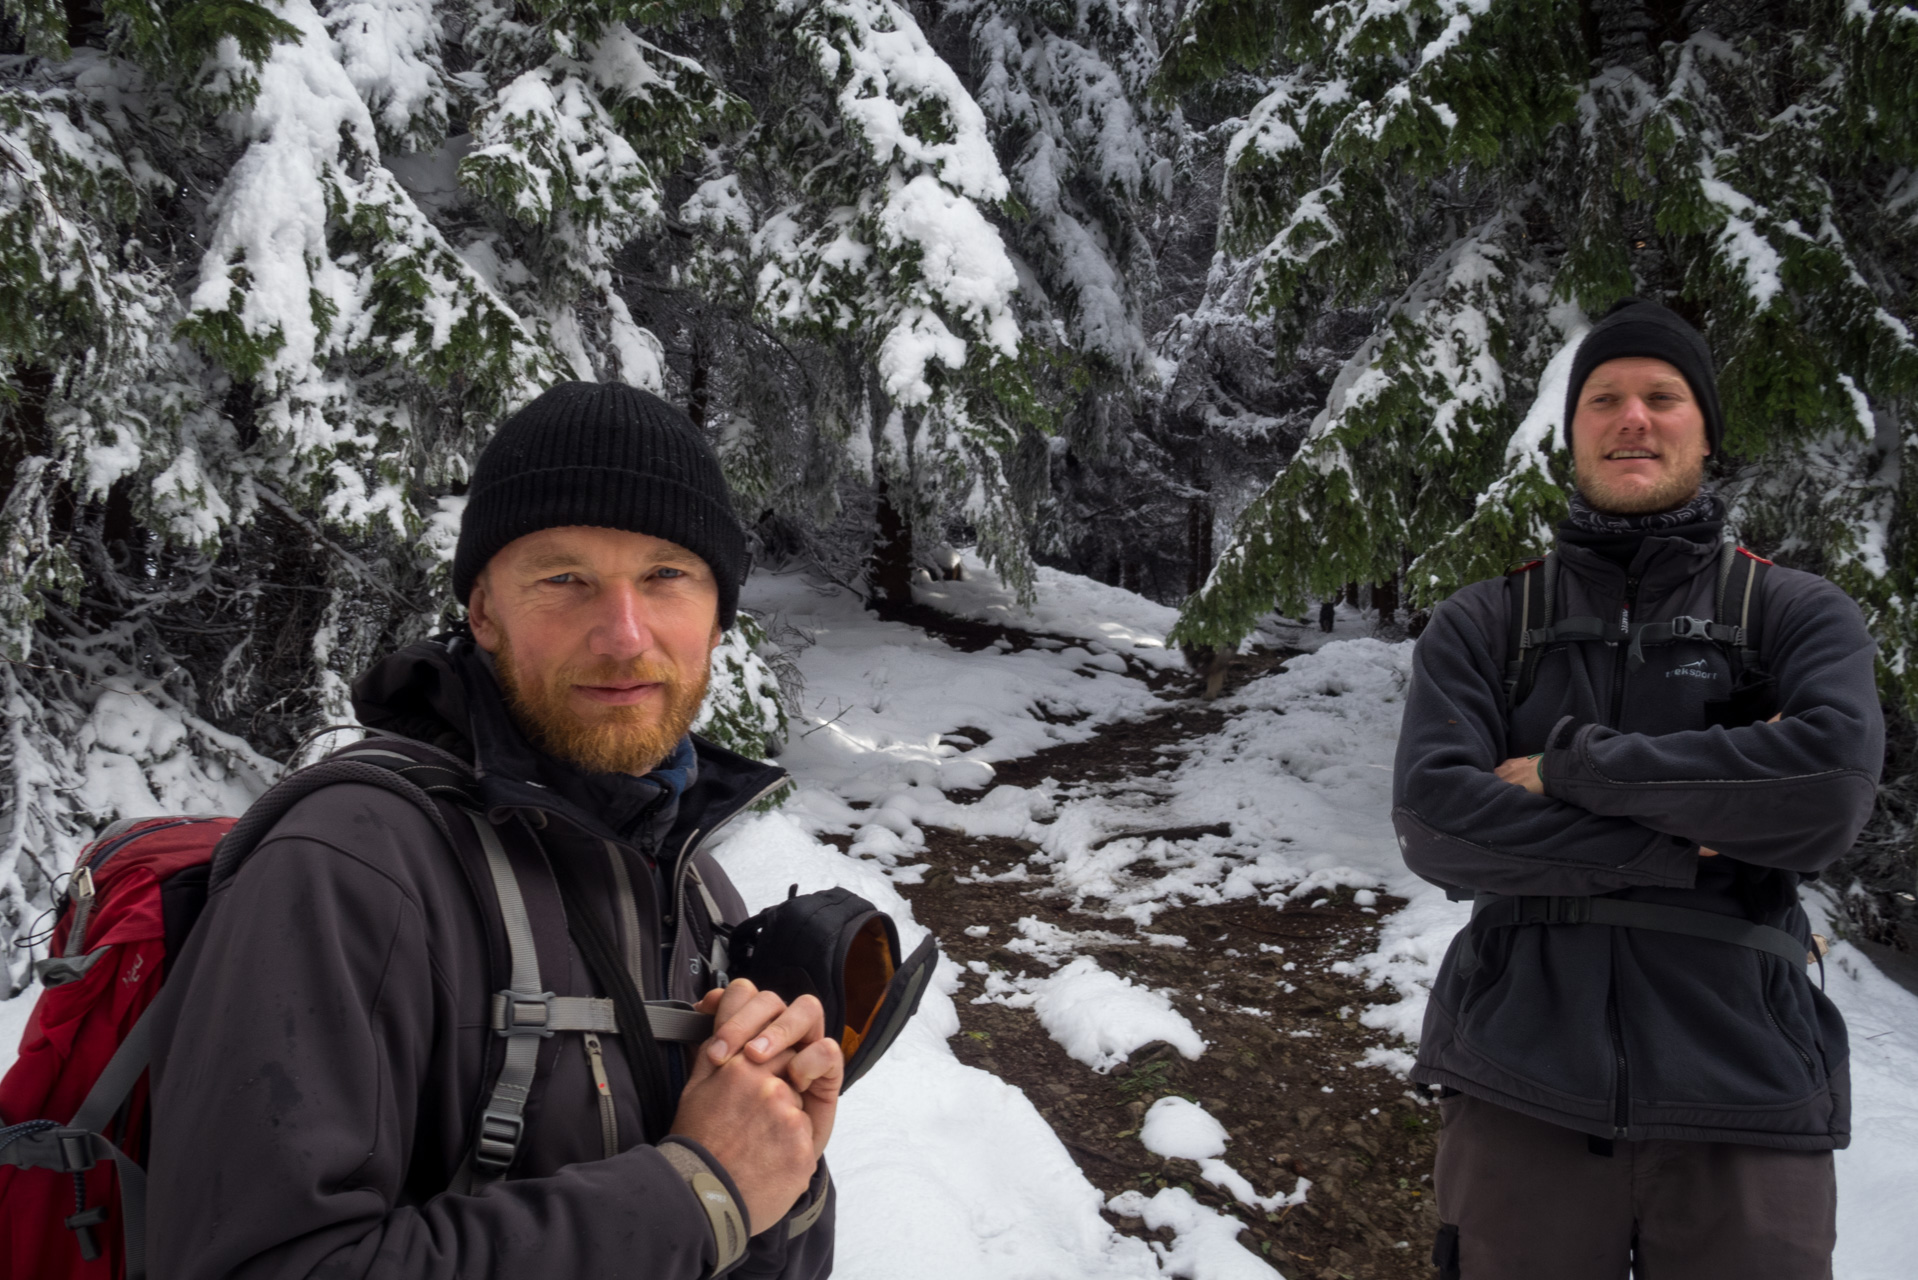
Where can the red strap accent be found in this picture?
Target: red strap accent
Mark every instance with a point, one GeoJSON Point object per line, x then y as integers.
{"type": "Point", "coordinates": [1752, 556]}
{"type": "Point", "coordinates": [1526, 567]}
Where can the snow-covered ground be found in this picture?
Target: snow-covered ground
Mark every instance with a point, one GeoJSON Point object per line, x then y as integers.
{"type": "Point", "coordinates": [952, 1168]}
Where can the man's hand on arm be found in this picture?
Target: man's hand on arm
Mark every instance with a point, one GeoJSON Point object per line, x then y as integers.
{"type": "Point", "coordinates": [762, 1095]}
{"type": "Point", "coordinates": [1522, 771]}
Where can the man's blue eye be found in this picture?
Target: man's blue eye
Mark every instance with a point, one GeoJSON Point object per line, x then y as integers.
{"type": "Point", "coordinates": [667, 571]}
{"type": "Point", "coordinates": [563, 579]}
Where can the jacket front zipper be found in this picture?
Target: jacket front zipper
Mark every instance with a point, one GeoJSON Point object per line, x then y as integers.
{"type": "Point", "coordinates": [1623, 650]}
{"type": "Point", "coordinates": [1621, 1105]}
{"type": "Point", "coordinates": [608, 1117]}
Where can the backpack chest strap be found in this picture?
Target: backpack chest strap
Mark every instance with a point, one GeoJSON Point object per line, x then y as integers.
{"type": "Point", "coordinates": [517, 1013]}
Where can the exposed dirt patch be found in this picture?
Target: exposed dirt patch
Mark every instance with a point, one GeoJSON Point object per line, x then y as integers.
{"type": "Point", "coordinates": [1281, 1068]}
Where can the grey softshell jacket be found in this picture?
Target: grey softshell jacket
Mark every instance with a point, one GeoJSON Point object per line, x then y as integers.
{"type": "Point", "coordinates": [317, 1087]}
{"type": "Point", "coordinates": [1631, 1033]}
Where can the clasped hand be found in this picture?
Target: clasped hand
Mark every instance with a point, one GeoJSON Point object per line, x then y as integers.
{"type": "Point", "coordinates": [762, 1094]}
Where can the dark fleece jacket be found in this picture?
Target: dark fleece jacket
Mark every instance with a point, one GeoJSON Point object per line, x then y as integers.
{"type": "Point", "coordinates": [318, 1081]}
{"type": "Point", "coordinates": [1631, 1033]}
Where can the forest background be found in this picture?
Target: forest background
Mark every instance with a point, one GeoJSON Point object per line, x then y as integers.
{"type": "Point", "coordinates": [1239, 304]}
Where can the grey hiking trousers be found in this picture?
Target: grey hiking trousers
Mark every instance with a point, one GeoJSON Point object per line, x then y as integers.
{"type": "Point", "coordinates": [1532, 1200]}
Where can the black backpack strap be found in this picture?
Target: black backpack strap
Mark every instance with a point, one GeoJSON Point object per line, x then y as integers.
{"type": "Point", "coordinates": [635, 1014]}
{"type": "Point", "coordinates": [1530, 604]}
{"type": "Point", "coordinates": [1533, 628]}
{"type": "Point", "coordinates": [1495, 911]}
{"type": "Point", "coordinates": [1740, 601]}
{"type": "Point", "coordinates": [376, 762]}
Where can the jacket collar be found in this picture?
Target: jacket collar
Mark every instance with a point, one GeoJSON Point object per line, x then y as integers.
{"type": "Point", "coordinates": [442, 691]}
{"type": "Point", "coordinates": [1661, 562]}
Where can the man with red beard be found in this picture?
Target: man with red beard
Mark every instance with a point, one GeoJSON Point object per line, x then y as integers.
{"type": "Point", "coordinates": [332, 1098]}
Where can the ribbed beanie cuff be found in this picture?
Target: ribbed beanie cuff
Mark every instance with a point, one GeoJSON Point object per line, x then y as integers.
{"type": "Point", "coordinates": [1634, 327]}
{"type": "Point", "coordinates": [608, 456]}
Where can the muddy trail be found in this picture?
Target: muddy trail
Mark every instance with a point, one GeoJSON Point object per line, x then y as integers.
{"type": "Point", "coordinates": [1283, 1038]}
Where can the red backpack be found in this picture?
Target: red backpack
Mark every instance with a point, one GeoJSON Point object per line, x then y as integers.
{"type": "Point", "coordinates": [76, 1098]}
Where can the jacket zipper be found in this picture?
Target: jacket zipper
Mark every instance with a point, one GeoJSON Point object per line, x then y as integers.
{"type": "Point", "coordinates": [1623, 651]}
{"type": "Point", "coordinates": [608, 1118]}
{"type": "Point", "coordinates": [694, 843]}
{"type": "Point", "coordinates": [1621, 1106]}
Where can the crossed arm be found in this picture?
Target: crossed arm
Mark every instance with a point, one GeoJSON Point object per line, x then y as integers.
{"type": "Point", "coordinates": [1524, 771]}
{"type": "Point", "coordinates": [1601, 810]}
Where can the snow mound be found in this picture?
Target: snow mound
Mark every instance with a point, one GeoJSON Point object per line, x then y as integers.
{"type": "Point", "coordinates": [1179, 1128]}
{"type": "Point", "coordinates": [1096, 1016]}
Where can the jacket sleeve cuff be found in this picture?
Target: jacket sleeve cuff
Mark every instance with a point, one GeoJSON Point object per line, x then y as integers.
{"type": "Point", "coordinates": [813, 1207]}
{"type": "Point", "coordinates": [714, 1189]}
{"type": "Point", "coordinates": [1560, 763]}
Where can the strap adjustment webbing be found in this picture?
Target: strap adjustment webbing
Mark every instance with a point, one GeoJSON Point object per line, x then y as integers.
{"type": "Point", "coordinates": [1495, 911]}
{"type": "Point", "coordinates": [519, 1013]}
{"type": "Point", "coordinates": [1572, 629]}
{"type": "Point", "coordinates": [502, 1119]}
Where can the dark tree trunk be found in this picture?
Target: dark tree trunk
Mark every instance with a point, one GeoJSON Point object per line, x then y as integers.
{"type": "Point", "coordinates": [23, 424]}
{"type": "Point", "coordinates": [698, 390]}
{"type": "Point", "coordinates": [890, 571]}
{"type": "Point", "coordinates": [1385, 598]}
{"type": "Point", "coordinates": [1352, 594]}
{"type": "Point", "coordinates": [1198, 542]}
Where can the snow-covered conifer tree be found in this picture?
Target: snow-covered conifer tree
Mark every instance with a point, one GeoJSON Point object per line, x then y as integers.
{"type": "Point", "coordinates": [271, 273]}
{"type": "Point", "coordinates": [1493, 174]}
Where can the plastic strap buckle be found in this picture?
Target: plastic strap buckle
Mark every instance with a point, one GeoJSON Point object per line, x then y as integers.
{"type": "Point", "coordinates": [498, 1140]}
{"type": "Point", "coordinates": [76, 1150]}
{"type": "Point", "coordinates": [1685, 627]}
{"type": "Point", "coordinates": [523, 1013]}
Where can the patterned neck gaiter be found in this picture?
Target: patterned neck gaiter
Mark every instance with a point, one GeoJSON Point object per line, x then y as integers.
{"type": "Point", "coordinates": [1703, 507]}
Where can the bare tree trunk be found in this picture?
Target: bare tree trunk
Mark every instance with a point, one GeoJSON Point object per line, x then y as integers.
{"type": "Point", "coordinates": [890, 571]}
{"type": "Point", "coordinates": [698, 386]}
{"type": "Point", "coordinates": [1385, 598]}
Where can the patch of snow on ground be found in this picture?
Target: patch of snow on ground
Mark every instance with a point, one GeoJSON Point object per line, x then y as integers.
{"type": "Point", "coordinates": [1206, 1244]}
{"type": "Point", "coordinates": [1096, 1016]}
{"type": "Point", "coordinates": [1064, 604]}
{"type": "Point", "coordinates": [1179, 1128]}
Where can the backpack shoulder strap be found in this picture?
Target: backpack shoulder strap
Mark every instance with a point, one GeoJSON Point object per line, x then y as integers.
{"type": "Point", "coordinates": [1533, 589]}
{"type": "Point", "coordinates": [1740, 601]}
{"type": "Point", "coordinates": [375, 763]}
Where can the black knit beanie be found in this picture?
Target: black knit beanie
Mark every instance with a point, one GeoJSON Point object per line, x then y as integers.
{"type": "Point", "coordinates": [606, 455]}
{"type": "Point", "coordinates": [1637, 328]}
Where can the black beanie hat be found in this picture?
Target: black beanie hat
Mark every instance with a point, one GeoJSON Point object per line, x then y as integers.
{"type": "Point", "coordinates": [606, 455]}
{"type": "Point", "coordinates": [1634, 327]}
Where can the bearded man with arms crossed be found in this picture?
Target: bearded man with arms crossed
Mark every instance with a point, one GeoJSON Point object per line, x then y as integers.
{"type": "Point", "coordinates": [316, 1092]}
{"type": "Point", "coordinates": [1636, 1071]}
